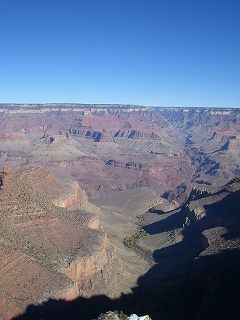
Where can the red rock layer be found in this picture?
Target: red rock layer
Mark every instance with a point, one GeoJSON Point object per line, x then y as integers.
{"type": "Point", "coordinates": [123, 147]}
{"type": "Point", "coordinates": [46, 251]}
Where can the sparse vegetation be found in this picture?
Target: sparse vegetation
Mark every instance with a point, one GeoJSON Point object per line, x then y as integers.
{"type": "Point", "coordinates": [140, 220]}
{"type": "Point", "coordinates": [129, 241]}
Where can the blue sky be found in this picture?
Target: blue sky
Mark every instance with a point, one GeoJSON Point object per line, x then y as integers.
{"type": "Point", "coordinates": [147, 52]}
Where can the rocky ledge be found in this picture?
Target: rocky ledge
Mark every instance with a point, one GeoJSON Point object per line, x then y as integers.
{"type": "Point", "coordinates": [49, 251]}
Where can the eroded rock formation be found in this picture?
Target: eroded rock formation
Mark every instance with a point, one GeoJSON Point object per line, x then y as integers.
{"type": "Point", "coordinates": [49, 251]}
{"type": "Point", "coordinates": [179, 153]}
{"type": "Point", "coordinates": [196, 251]}
{"type": "Point", "coordinates": [115, 147]}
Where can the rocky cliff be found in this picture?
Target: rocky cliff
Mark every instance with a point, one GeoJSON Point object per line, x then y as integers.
{"type": "Point", "coordinates": [52, 247]}
{"type": "Point", "coordinates": [196, 254]}
{"type": "Point", "coordinates": [116, 147]}
{"type": "Point", "coordinates": [216, 269]}
{"type": "Point", "coordinates": [49, 251]}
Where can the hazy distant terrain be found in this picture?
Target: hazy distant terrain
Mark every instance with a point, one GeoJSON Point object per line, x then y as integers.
{"type": "Point", "coordinates": [109, 148]}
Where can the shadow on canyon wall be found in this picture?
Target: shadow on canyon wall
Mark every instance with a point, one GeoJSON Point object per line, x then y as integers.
{"type": "Point", "coordinates": [153, 295]}
{"type": "Point", "coordinates": [78, 309]}
{"type": "Point", "coordinates": [189, 245]}
{"type": "Point", "coordinates": [214, 290]}
{"type": "Point", "coordinates": [182, 284]}
{"type": "Point", "coordinates": [219, 275]}
{"type": "Point", "coordinates": [170, 223]}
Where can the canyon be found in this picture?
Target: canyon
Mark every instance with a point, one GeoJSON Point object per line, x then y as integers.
{"type": "Point", "coordinates": [113, 148]}
{"type": "Point", "coordinates": [78, 180]}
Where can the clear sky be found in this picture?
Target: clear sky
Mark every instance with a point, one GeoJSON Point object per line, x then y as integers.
{"type": "Point", "coordinates": [147, 52]}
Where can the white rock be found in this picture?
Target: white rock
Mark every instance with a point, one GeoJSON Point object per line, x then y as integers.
{"type": "Point", "coordinates": [135, 317]}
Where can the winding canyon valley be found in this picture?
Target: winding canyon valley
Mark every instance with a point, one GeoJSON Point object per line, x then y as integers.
{"type": "Point", "coordinates": [124, 207]}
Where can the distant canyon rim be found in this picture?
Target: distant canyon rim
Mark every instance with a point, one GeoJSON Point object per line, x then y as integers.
{"type": "Point", "coordinates": [107, 148]}
{"type": "Point", "coordinates": [80, 184]}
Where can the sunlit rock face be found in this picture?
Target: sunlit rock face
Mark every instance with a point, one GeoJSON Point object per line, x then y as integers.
{"type": "Point", "coordinates": [117, 147]}
{"type": "Point", "coordinates": [54, 156]}
{"type": "Point", "coordinates": [49, 251]}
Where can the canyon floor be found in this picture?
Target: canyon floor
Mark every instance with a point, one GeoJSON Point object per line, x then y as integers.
{"type": "Point", "coordinates": [119, 207]}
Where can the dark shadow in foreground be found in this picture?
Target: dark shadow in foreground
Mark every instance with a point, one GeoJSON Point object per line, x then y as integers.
{"type": "Point", "coordinates": [178, 285]}
{"type": "Point", "coordinates": [78, 309]}
{"type": "Point", "coordinates": [211, 292]}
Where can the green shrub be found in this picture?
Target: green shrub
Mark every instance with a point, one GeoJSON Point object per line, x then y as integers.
{"type": "Point", "coordinates": [129, 241]}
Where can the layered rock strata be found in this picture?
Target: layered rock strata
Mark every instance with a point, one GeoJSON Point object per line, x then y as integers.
{"type": "Point", "coordinates": [115, 147]}
{"type": "Point", "coordinates": [195, 273]}
{"type": "Point", "coordinates": [49, 251]}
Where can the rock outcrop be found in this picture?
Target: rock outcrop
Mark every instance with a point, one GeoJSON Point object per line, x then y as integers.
{"type": "Point", "coordinates": [216, 269]}
{"type": "Point", "coordinates": [197, 258]}
{"type": "Point", "coordinates": [65, 195]}
{"type": "Point", "coordinates": [49, 240]}
{"type": "Point", "coordinates": [110, 315]}
{"type": "Point", "coordinates": [49, 251]}
{"type": "Point", "coordinates": [160, 148]}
